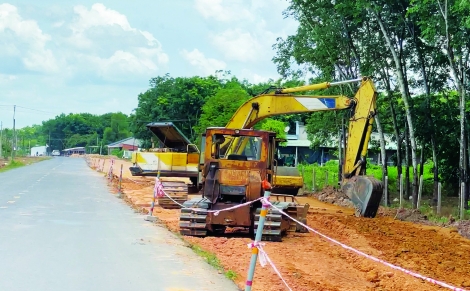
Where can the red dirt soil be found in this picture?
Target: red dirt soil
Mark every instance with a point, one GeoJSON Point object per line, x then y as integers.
{"type": "Point", "coordinates": [309, 262]}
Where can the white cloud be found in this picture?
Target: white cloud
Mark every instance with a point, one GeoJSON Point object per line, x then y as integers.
{"type": "Point", "coordinates": [58, 24]}
{"type": "Point", "coordinates": [7, 78]}
{"type": "Point", "coordinates": [25, 40]}
{"type": "Point", "coordinates": [238, 45]}
{"type": "Point", "coordinates": [257, 25]}
{"type": "Point", "coordinates": [229, 11]}
{"type": "Point", "coordinates": [207, 66]}
{"type": "Point", "coordinates": [112, 46]}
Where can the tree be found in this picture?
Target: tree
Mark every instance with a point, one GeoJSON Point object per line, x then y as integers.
{"type": "Point", "coordinates": [178, 100]}
{"type": "Point", "coordinates": [218, 109]}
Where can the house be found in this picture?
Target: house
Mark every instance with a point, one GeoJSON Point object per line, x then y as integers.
{"type": "Point", "coordinates": [71, 151]}
{"type": "Point", "coordinates": [129, 144]}
{"type": "Point", "coordinates": [39, 151]}
{"type": "Point", "coordinates": [298, 148]}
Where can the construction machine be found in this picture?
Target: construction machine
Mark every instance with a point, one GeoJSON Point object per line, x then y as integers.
{"type": "Point", "coordinates": [236, 160]}
{"type": "Point", "coordinates": [175, 156]}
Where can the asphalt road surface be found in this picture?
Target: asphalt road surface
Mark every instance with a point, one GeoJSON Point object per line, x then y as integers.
{"type": "Point", "coordinates": [61, 229]}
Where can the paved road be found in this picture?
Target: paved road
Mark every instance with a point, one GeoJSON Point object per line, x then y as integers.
{"type": "Point", "coordinates": [61, 229]}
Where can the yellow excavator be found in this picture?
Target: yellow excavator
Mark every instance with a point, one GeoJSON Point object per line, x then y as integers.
{"type": "Point", "coordinates": [236, 160]}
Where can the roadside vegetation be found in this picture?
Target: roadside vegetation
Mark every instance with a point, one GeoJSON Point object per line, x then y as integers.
{"type": "Point", "coordinates": [8, 164]}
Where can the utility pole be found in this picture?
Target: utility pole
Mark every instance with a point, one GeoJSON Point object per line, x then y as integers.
{"type": "Point", "coordinates": [14, 135]}
{"type": "Point", "coordinates": [1, 139]}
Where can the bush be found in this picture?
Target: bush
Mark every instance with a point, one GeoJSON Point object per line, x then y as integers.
{"type": "Point", "coordinates": [117, 153]}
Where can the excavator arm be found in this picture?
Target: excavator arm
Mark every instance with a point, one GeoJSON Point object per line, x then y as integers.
{"type": "Point", "coordinates": [365, 192]}
{"type": "Point", "coordinates": [280, 102]}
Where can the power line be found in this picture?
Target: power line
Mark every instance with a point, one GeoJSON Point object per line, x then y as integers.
{"type": "Point", "coordinates": [36, 109]}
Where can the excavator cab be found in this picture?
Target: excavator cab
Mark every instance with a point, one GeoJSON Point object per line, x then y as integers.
{"type": "Point", "coordinates": [235, 163]}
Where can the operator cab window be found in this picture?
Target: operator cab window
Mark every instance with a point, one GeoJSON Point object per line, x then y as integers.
{"type": "Point", "coordinates": [240, 148]}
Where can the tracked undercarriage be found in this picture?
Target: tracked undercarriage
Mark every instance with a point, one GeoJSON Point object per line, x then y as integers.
{"type": "Point", "coordinates": [195, 220]}
{"type": "Point", "coordinates": [177, 190]}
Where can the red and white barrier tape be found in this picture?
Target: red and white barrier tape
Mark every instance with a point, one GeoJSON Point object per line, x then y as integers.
{"type": "Point", "coordinates": [264, 260]}
{"type": "Point", "coordinates": [161, 193]}
{"type": "Point", "coordinates": [442, 284]}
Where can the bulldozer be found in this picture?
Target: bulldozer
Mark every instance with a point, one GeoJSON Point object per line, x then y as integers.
{"type": "Point", "coordinates": [237, 159]}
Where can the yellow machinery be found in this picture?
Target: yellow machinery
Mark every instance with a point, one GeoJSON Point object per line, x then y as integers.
{"type": "Point", "coordinates": [174, 157]}
{"type": "Point", "coordinates": [235, 161]}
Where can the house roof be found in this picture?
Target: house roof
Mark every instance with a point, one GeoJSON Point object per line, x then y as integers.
{"type": "Point", "coordinates": [74, 149]}
{"type": "Point", "coordinates": [126, 141]}
{"type": "Point", "coordinates": [333, 143]}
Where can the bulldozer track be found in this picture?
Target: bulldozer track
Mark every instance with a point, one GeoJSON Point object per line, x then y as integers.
{"type": "Point", "coordinates": [193, 222]}
{"type": "Point", "coordinates": [272, 225]}
{"type": "Point", "coordinates": [178, 191]}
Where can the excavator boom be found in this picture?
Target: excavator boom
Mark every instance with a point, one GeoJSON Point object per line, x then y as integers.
{"type": "Point", "coordinates": [363, 107]}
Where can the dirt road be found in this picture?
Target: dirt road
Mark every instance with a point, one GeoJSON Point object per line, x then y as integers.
{"type": "Point", "coordinates": [309, 262]}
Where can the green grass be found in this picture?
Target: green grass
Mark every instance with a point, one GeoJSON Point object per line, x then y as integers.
{"type": "Point", "coordinates": [327, 175]}
{"type": "Point", "coordinates": [212, 260]}
{"type": "Point", "coordinates": [12, 165]}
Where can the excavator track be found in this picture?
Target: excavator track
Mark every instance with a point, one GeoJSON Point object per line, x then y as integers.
{"type": "Point", "coordinates": [177, 190]}
{"type": "Point", "coordinates": [193, 218]}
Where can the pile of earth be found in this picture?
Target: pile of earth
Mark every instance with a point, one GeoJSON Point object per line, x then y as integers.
{"type": "Point", "coordinates": [331, 195]}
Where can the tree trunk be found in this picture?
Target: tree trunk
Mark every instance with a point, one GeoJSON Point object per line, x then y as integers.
{"type": "Point", "coordinates": [395, 127]}
{"type": "Point", "coordinates": [421, 161]}
{"type": "Point", "coordinates": [458, 79]}
{"type": "Point", "coordinates": [383, 151]}
{"type": "Point", "coordinates": [429, 121]}
{"type": "Point", "coordinates": [407, 162]}
{"type": "Point", "coordinates": [404, 92]}
{"type": "Point", "coordinates": [435, 171]}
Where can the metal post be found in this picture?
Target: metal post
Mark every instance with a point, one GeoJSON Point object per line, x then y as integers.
{"type": "Point", "coordinates": [1, 139]}
{"type": "Point", "coordinates": [439, 200]}
{"type": "Point", "coordinates": [259, 233]}
{"type": "Point", "coordinates": [296, 156]}
{"type": "Point", "coordinates": [420, 190]}
{"type": "Point", "coordinates": [462, 200]}
{"type": "Point", "coordinates": [401, 191]}
{"type": "Point", "coordinates": [150, 216]}
{"type": "Point", "coordinates": [120, 186]}
{"type": "Point", "coordinates": [313, 180]}
{"type": "Point", "coordinates": [386, 191]}
{"type": "Point", "coordinates": [326, 178]}
{"type": "Point", "coordinates": [14, 131]}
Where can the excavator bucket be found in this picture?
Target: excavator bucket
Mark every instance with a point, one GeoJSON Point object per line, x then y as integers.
{"type": "Point", "coordinates": [365, 193]}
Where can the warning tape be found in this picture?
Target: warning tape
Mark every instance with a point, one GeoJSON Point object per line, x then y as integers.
{"type": "Point", "coordinates": [161, 192]}
{"type": "Point", "coordinates": [264, 259]}
{"type": "Point", "coordinates": [442, 284]}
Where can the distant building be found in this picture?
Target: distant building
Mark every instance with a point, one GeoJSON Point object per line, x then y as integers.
{"type": "Point", "coordinates": [71, 151]}
{"type": "Point", "coordinates": [39, 151]}
{"type": "Point", "coordinates": [128, 144]}
{"type": "Point", "coordinates": [298, 148]}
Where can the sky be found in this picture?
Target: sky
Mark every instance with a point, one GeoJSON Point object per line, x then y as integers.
{"type": "Point", "coordinates": [61, 56]}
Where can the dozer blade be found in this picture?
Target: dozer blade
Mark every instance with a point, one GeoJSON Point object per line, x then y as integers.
{"type": "Point", "coordinates": [365, 193]}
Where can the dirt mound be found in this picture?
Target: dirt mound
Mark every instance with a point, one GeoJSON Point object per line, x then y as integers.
{"type": "Point", "coordinates": [331, 195]}
{"type": "Point", "coordinates": [463, 227]}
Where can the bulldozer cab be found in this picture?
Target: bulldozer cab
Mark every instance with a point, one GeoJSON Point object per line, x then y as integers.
{"type": "Point", "coordinates": [235, 163]}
